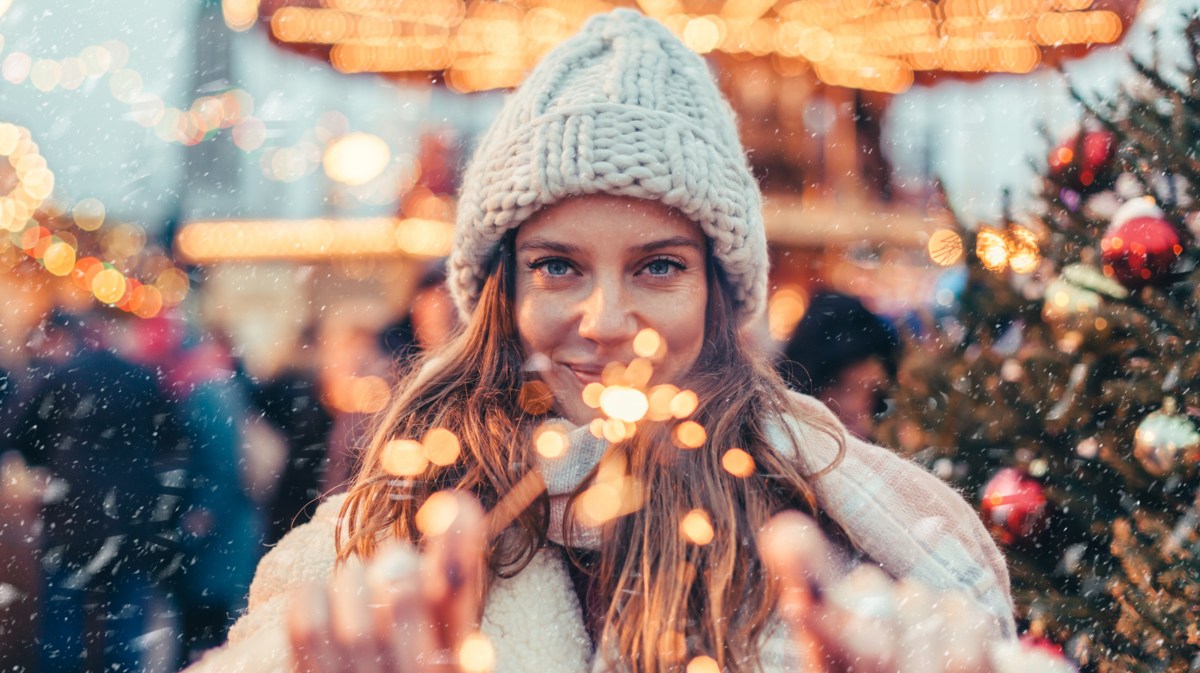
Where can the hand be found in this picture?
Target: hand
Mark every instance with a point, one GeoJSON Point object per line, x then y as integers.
{"type": "Point", "coordinates": [403, 611]}
{"type": "Point", "coordinates": [869, 623]}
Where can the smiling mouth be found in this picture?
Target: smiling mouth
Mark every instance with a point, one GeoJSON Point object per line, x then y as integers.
{"type": "Point", "coordinates": [586, 373]}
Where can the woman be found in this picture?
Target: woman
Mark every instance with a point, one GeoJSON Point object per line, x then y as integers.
{"type": "Point", "coordinates": [608, 216]}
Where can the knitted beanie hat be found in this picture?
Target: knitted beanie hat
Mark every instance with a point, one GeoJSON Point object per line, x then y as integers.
{"type": "Point", "coordinates": [622, 108]}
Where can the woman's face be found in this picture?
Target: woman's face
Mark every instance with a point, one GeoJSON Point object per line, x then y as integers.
{"type": "Point", "coordinates": [591, 273]}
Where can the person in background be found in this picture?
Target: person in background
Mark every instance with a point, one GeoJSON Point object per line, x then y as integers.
{"type": "Point", "coordinates": [290, 400]}
{"type": "Point", "coordinates": [428, 322]}
{"type": "Point", "coordinates": [222, 525]}
{"type": "Point", "coordinates": [104, 431]}
{"type": "Point", "coordinates": [846, 356]}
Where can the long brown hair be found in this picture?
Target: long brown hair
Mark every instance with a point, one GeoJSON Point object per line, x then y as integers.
{"type": "Point", "coordinates": [664, 598]}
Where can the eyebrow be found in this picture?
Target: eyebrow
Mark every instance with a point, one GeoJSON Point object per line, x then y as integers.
{"type": "Point", "coordinates": [652, 246]}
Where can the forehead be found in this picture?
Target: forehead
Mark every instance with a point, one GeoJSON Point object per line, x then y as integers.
{"type": "Point", "coordinates": [602, 221]}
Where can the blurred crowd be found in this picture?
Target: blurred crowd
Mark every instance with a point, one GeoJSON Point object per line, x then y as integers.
{"type": "Point", "coordinates": [145, 470]}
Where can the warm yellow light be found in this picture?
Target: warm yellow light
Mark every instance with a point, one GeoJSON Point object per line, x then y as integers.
{"type": "Point", "coordinates": [647, 343]}
{"type": "Point", "coordinates": [703, 664]}
{"type": "Point", "coordinates": [638, 373]}
{"type": "Point", "coordinates": [476, 654]}
{"type": "Point", "coordinates": [551, 442]}
{"type": "Point", "coordinates": [437, 514]}
{"type": "Point", "coordinates": [239, 15]}
{"type": "Point", "coordinates": [1024, 255]}
{"type": "Point", "coordinates": [616, 430]}
{"type": "Point", "coordinates": [690, 435]}
{"type": "Point", "coordinates": [592, 393]}
{"type": "Point", "coordinates": [738, 463]}
{"type": "Point", "coordinates": [151, 302]}
{"type": "Point", "coordinates": [945, 247]}
{"type": "Point", "coordinates": [992, 249]}
{"type": "Point", "coordinates": [600, 503]}
{"type": "Point", "coordinates": [404, 458]}
{"type": "Point", "coordinates": [441, 447]}
{"type": "Point", "coordinates": [109, 286]}
{"type": "Point", "coordinates": [623, 403]}
{"type": "Point", "coordinates": [59, 258]}
{"type": "Point", "coordinates": [660, 402]}
{"type": "Point", "coordinates": [703, 33]}
{"type": "Point", "coordinates": [697, 528]}
{"type": "Point", "coordinates": [785, 308]}
{"type": "Point", "coordinates": [356, 158]}
{"type": "Point", "coordinates": [684, 404]}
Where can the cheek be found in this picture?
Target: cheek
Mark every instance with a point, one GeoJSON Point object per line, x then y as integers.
{"type": "Point", "coordinates": [681, 324]}
{"type": "Point", "coordinates": [539, 323]}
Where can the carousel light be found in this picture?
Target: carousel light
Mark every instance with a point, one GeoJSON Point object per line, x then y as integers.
{"type": "Point", "coordinates": [356, 159]}
{"type": "Point", "coordinates": [239, 15]}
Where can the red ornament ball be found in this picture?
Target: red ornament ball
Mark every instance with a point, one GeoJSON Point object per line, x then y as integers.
{"type": "Point", "coordinates": [1014, 506]}
{"type": "Point", "coordinates": [1084, 163]}
{"type": "Point", "coordinates": [1140, 251]}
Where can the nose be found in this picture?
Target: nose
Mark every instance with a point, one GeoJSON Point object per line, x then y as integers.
{"type": "Point", "coordinates": [607, 316]}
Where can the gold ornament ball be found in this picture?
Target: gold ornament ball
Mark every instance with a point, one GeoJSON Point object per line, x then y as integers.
{"type": "Point", "coordinates": [1167, 442]}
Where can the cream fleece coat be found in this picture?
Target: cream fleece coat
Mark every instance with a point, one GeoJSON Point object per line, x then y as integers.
{"type": "Point", "coordinates": [902, 517]}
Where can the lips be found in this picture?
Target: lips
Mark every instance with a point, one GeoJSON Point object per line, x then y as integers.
{"type": "Point", "coordinates": [586, 373]}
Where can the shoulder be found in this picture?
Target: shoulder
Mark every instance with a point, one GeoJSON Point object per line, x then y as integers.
{"type": "Point", "coordinates": [905, 518]}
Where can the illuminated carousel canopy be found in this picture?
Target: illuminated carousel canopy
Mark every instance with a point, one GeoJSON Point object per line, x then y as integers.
{"type": "Point", "coordinates": [881, 45]}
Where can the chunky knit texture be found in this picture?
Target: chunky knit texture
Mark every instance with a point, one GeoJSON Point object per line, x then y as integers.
{"type": "Point", "coordinates": [623, 108]}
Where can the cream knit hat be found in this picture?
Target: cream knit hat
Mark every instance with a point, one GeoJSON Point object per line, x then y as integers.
{"type": "Point", "coordinates": [622, 108]}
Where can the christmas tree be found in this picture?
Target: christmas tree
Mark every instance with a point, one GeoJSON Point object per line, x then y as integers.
{"type": "Point", "coordinates": [1060, 384]}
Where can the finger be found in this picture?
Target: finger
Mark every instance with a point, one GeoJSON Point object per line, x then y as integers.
{"type": "Point", "coordinates": [856, 622]}
{"type": "Point", "coordinates": [308, 630]}
{"type": "Point", "coordinates": [400, 617]}
{"type": "Point", "coordinates": [795, 550]}
{"type": "Point", "coordinates": [353, 635]}
{"type": "Point", "coordinates": [453, 567]}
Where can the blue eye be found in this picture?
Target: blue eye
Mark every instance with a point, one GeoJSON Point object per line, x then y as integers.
{"type": "Point", "coordinates": [551, 266]}
{"type": "Point", "coordinates": [556, 267]}
{"type": "Point", "coordinates": [662, 267]}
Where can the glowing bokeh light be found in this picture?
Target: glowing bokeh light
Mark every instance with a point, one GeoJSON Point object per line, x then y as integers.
{"type": "Point", "coordinates": [648, 344]}
{"type": "Point", "coordinates": [109, 286]}
{"type": "Point", "coordinates": [551, 442]}
{"type": "Point", "coordinates": [441, 446]}
{"type": "Point", "coordinates": [945, 247]}
{"type": "Point", "coordinates": [738, 463]}
{"type": "Point", "coordinates": [696, 527]}
{"type": "Point", "coordinates": [59, 258]}
{"type": "Point", "coordinates": [404, 458]}
{"type": "Point", "coordinates": [624, 403]}
{"type": "Point", "coordinates": [437, 514]}
{"type": "Point", "coordinates": [684, 404]}
{"type": "Point", "coordinates": [476, 654]}
{"type": "Point", "coordinates": [356, 159]}
{"type": "Point", "coordinates": [689, 435]}
{"type": "Point", "coordinates": [703, 664]}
